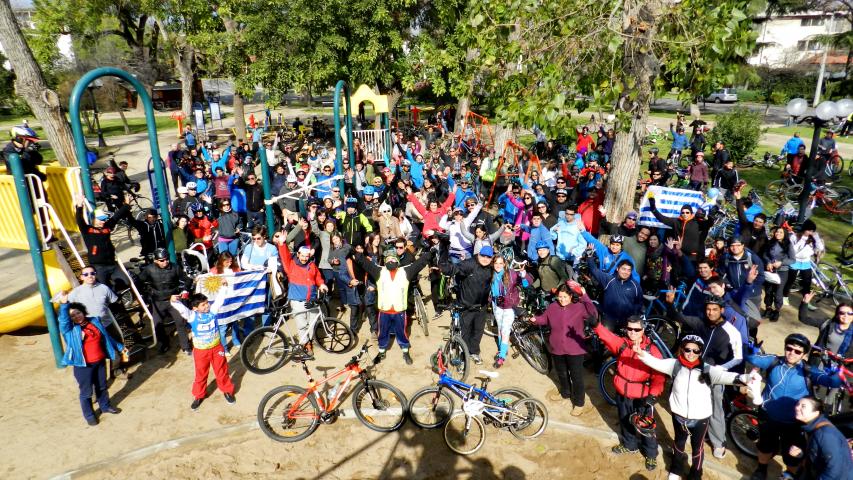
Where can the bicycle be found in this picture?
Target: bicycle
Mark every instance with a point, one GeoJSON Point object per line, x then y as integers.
{"type": "Point", "coordinates": [608, 369]}
{"type": "Point", "coordinates": [847, 249]}
{"type": "Point", "coordinates": [527, 339]}
{"type": "Point", "coordinates": [271, 344]}
{"type": "Point", "coordinates": [291, 413]}
{"type": "Point", "coordinates": [834, 398]}
{"type": "Point", "coordinates": [139, 206]}
{"type": "Point", "coordinates": [455, 350]}
{"type": "Point", "coordinates": [420, 308]}
{"type": "Point", "coordinates": [742, 425]}
{"type": "Point", "coordinates": [724, 226]}
{"type": "Point", "coordinates": [772, 161]}
{"type": "Point", "coordinates": [655, 314]}
{"type": "Point", "coordinates": [830, 283]}
{"type": "Point", "coordinates": [678, 178]}
{"type": "Point", "coordinates": [508, 408]}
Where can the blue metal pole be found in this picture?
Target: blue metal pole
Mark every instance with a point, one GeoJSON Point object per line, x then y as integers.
{"type": "Point", "coordinates": [336, 113]}
{"type": "Point", "coordinates": [35, 253]}
{"type": "Point", "coordinates": [267, 186]}
{"type": "Point", "coordinates": [151, 121]}
{"type": "Point", "coordinates": [386, 124]}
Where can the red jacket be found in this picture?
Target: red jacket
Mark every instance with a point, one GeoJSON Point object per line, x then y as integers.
{"type": "Point", "coordinates": [203, 227]}
{"type": "Point", "coordinates": [303, 279]}
{"type": "Point", "coordinates": [589, 213]}
{"type": "Point", "coordinates": [633, 378]}
{"type": "Point", "coordinates": [431, 218]}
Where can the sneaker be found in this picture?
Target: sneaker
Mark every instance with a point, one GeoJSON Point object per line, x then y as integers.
{"type": "Point", "coordinates": [620, 449]}
{"type": "Point", "coordinates": [196, 403]}
{"type": "Point", "coordinates": [554, 396]}
{"type": "Point", "coordinates": [811, 307]}
{"type": "Point", "coordinates": [189, 353]}
{"type": "Point", "coordinates": [93, 422]}
{"type": "Point", "coordinates": [577, 411]}
{"type": "Point", "coordinates": [673, 476]}
{"type": "Point", "coordinates": [477, 360]}
{"type": "Point", "coordinates": [719, 452]}
{"type": "Point", "coordinates": [499, 362]}
{"type": "Point", "coordinates": [651, 463]}
{"type": "Point", "coordinates": [407, 358]}
{"type": "Point", "coordinates": [228, 353]}
{"type": "Point", "coordinates": [379, 357]}
{"type": "Point", "coordinates": [785, 301]}
{"type": "Point", "coordinates": [112, 410]}
{"type": "Point", "coordinates": [229, 397]}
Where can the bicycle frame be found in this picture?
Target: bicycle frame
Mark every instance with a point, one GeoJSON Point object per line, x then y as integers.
{"type": "Point", "coordinates": [680, 297]}
{"type": "Point", "coordinates": [351, 371]}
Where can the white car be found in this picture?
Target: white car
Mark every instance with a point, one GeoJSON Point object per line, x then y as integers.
{"type": "Point", "coordinates": [723, 95]}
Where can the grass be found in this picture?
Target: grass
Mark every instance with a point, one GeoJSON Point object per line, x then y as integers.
{"type": "Point", "coordinates": [805, 133]}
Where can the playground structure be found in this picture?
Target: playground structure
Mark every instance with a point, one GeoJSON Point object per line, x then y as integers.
{"type": "Point", "coordinates": [377, 140]}
{"type": "Point", "coordinates": [478, 126]}
{"type": "Point", "coordinates": [523, 162]}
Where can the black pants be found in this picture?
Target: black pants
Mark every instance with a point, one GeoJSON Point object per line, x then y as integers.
{"type": "Point", "coordinates": [805, 277]}
{"type": "Point", "coordinates": [628, 435]}
{"type": "Point", "coordinates": [696, 430]}
{"type": "Point", "coordinates": [774, 293]}
{"type": "Point", "coordinates": [163, 312]}
{"type": "Point", "coordinates": [372, 313]}
{"type": "Point", "coordinates": [569, 370]}
{"type": "Point", "coordinates": [473, 323]}
{"type": "Point", "coordinates": [111, 276]}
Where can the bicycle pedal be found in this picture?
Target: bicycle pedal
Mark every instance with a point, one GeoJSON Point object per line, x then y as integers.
{"type": "Point", "coordinates": [514, 354]}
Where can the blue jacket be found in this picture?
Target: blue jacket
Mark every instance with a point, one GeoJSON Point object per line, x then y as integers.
{"type": "Point", "coordinates": [786, 385]}
{"type": "Point", "coordinates": [679, 140]}
{"type": "Point", "coordinates": [570, 242]}
{"type": "Point", "coordinates": [736, 271]}
{"type": "Point", "coordinates": [462, 195]}
{"type": "Point", "coordinates": [793, 144]}
{"type": "Point", "coordinates": [73, 336]}
{"type": "Point", "coordinates": [537, 234]}
{"type": "Point", "coordinates": [607, 261]}
{"type": "Point", "coordinates": [621, 298]}
{"type": "Point", "coordinates": [828, 451]}
{"type": "Point", "coordinates": [417, 171]}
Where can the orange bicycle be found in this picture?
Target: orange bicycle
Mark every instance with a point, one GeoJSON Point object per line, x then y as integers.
{"type": "Point", "coordinates": [290, 413]}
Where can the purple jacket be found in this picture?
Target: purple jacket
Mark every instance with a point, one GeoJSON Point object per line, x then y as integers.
{"type": "Point", "coordinates": [566, 324]}
{"type": "Point", "coordinates": [512, 297]}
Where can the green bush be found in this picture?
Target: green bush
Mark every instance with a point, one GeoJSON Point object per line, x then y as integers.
{"type": "Point", "coordinates": [739, 129]}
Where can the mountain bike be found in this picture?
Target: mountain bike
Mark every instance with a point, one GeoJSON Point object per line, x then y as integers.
{"type": "Point", "coordinates": [266, 349]}
{"type": "Point", "coordinates": [290, 413]}
{"type": "Point", "coordinates": [455, 350]}
{"type": "Point", "coordinates": [742, 425]}
{"type": "Point", "coordinates": [608, 369]}
{"type": "Point", "coordinates": [847, 249]}
{"type": "Point", "coordinates": [509, 408]}
{"type": "Point", "coordinates": [772, 161]}
{"type": "Point", "coordinates": [420, 309]}
{"type": "Point", "coordinates": [656, 310]}
{"type": "Point", "coordinates": [724, 226]}
{"type": "Point", "coordinates": [835, 399]}
{"type": "Point", "coordinates": [528, 340]}
{"type": "Point", "coordinates": [829, 283]}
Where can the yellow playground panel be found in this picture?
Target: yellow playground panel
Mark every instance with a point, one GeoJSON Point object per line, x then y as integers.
{"type": "Point", "coordinates": [61, 186]}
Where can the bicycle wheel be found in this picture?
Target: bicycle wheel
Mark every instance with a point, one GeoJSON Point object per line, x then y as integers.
{"type": "Point", "coordinates": [286, 414]}
{"type": "Point", "coordinates": [605, 381]}
{"type": "Point", "coordinates": [430, 407]}
{"type": "Point", "coordinates": [666, 329]}
{"type": "Point", "coordinates": [379, 405]}
{"type": "Point", "coordinates": [742, 427]}
{"type": "Point", "coordinates": [457, 358]}
{"type": "Point", "coordinates": [847, 248]}
{"type": "Point", "coordinates": [775, 189]}
{"type": "Point", "coordinates": [509, 395]}
{"type": "Point", "coordinates": [835, 165]}
{"type": "Point", "coordinates": [144, 203]}
{"type": "Point", "coordinates": [792, 193]}
{"type": "Point", "coordinates": [529, 419]}
{"type": "Point", "coordinates": [839, 208]}
{"type": "Point", "coordinates": [420, 311]}
{"type": "Point", "coordinates": [264, 350]}
{"type": "Point", "coordinates": [463, 434]}
{"type": "Point", "coordinates": [532, 346]}
{"type": "Point", "coordinates": [333, 335]}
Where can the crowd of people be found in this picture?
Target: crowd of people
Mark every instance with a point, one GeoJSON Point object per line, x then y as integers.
{"type": "Point", "coordinates": [363, 230]}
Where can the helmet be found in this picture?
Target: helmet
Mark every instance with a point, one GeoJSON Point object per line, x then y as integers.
{"type": "Point", "coordinates": [693, 339]}
{"type": "Point", "coordinates": [713, 193]}
{"type": "Point", "coordinates": [644, 423]}
{"type": "Point", "coordinates": [654, 150]}
{"type": "Point", "coordinates": [617, 239]}
{"type": "Point", "coordinates": [798, 339]}
{"type": "Point", "coordinates": [197, 207]}
{"type": "Point", "coordinates": [369, 190]}
{"type": "Point", "coordinates": [352, 202]}
{"type": "Point", "coordinates": [160, 254]}
{"type": "Point", "coordinates": [715, 300]}
{"type": "Point", "coordinates": [20, 133]}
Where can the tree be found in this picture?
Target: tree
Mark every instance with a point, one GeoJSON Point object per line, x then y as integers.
{"type": "Point", "coordinates": [30, 84]}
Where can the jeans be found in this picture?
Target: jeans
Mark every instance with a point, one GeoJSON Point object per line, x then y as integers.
{"type": "Point", "coordinates": [92, 378]}
{"type": "Point", "coordinates": [230, 245]}
{"type": "Point", "coordinates": [504, 318]}
{"type": "Point", "coordinates": [255, 218]}
{"type": "Point", "coordinates": [223, 331]}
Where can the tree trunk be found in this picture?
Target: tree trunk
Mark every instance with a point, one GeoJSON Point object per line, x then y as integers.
{"type": "Point", "coordinates": [694, 110]}
{"type": "Point", "coordinates": [463, 106]}
{"type": "Point", "coordinates": [394, 97]}
{"type": "Point", "coordinates": [184, 62]}
{"type": "Point", "coordinates": [124, 121]}
{"type": "Point", "coordinates": [30, 84]}
{"type": "Point", "coordinates": [239, 116]}
{"type": "Point", "coordinates": [638, 62]}
{"type": "Point", "coordinates": [503, 135]}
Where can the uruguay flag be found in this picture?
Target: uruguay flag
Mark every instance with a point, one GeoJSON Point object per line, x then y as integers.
{"type": "Point", "coordinates": [668, 202]}
{"type": "Point", "coordinates": [245, 293]}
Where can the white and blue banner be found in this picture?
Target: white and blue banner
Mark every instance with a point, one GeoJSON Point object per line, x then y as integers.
{"type": "Point", "coordinates": [668, 202]}
{"type": "Point", "coordinates": [245, 293]}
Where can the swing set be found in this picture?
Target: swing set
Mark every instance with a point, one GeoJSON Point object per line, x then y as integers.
{"type": "Point", "coordinates": [523, 162]}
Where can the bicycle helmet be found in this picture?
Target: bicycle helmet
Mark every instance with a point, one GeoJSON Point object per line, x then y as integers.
{"type": "Point", "coordinates": [715, 300]}
{"type": "Point", "coordinates": [369, 190]}
{"type": "Point", "coordinates": [19, 134]}
{"type": "Point", "coordinates": [197, 207]}
{"type": "Point", "coordinates": [799, 339]}
{"type": "Point", "coordinates": [644, 423]}
{"type": "Point", "coordinates": [617, 239]}
{"type": "Point", "coordinates": [713, 193]}
{"type": "Point", "coordinates": [693, 339]}
{"type": "Point", "coordinates": [161, 254]}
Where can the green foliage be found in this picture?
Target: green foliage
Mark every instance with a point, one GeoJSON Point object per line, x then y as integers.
{"type": "Point", "coordinates": [739, 129]}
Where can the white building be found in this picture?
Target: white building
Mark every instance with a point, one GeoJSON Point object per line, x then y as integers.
{"type": "Point", "coordinates": [789, 40]}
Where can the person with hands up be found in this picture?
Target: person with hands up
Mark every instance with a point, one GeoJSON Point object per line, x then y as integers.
{"type": "Point", "coordinates": [637, 384]}
{"type": "Point", "coordinates": [304, 283]}
{"type": "Point", "coordinates": [690, 400]}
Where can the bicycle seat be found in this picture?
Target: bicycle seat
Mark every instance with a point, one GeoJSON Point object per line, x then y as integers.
{"type": "Point", "coordinates": [649, 298]}
{"type": "Point", "coordinates": [492, 375]}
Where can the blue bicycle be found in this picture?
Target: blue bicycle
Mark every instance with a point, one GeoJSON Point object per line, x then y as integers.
{"type": "Point", "coordinates": [608, 370]}
{"type": "Point", "coordinates": [655, 314]}
{"type": "Point", "coordinates": [509, 408]}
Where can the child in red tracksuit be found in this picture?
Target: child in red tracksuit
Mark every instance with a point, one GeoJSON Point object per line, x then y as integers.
{"type": "Point", "coordinates": [637, 386]}
{"type": "Point", "coordinates": [207, 346]}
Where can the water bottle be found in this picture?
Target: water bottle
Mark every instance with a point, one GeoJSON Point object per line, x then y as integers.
{"type": "Point", "coordinates": [332, 392]}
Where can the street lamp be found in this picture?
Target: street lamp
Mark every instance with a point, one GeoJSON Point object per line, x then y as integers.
{"type": "Point", "coordinates": [825, 112]}
{"type": "Point", "coordinates": [92, 86]}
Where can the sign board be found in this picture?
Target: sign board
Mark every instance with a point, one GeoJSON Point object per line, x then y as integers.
{"type": "Point", "coordinates": [215, 113]}
{"type": "Point", "coordinates": [198, 116]}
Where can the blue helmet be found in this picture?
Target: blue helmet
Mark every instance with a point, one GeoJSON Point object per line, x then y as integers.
{"type": "Point", "coordinates": [369, 190]}
{"type": "Point", "coordinates": [542, 244]}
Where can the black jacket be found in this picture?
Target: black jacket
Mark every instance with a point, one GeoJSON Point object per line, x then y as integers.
{"type": "Point", "coordinates": [99, 246]}
{"type": "Point", "coordinates": [30, 159]}
{"type": "Point", "coordinates": [474, 281]}
{"type": "Point", "coordinates": [754, 240]}
{"type": "Point", "coordinates": [688, 232]}
{"type": "Point", "coordinates": [162, 283]}
{"type": "Point", "coordinates": [723, 343]}
{"type": "Point", "coordinates": [151, 236]}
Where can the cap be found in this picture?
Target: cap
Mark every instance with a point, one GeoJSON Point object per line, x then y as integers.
{"type": "Point", "coordinates": [617, 239]}
{"type": "Point", "coordinates": [351, 201]}
{"type": "Point", "coordinates": [291, 178]}
{"type": "Point", "coordinates": [102, 215]}
{"type": "Point", "coordinates": [487, 251]}
{"type": "Point", "coordinates": [542, 244]}
{"type": "Point", "coordinates": [466, 178]}
{"type": "Point", "coordinates": [631, 215]}
{"type": "Point", "coordinates": [406, 162]}
{"type": "Point", "coordinates": [561, 191]}
{"type": "Point", "coordinates": [369, 190]}
{"type": "Point", "coordinates": [391, 254]}
{"type": "Point", "coordinates": [458, 210]}
{"type": "Point", "coordinates": [182, 190]}
{"type": "Point", "coordinates": [191, 186]}
{"type": "Point", "coordinates": [304, 250]}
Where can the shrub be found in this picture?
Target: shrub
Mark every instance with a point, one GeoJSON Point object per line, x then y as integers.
{"type": "Point", "coordinates": [740, 130]}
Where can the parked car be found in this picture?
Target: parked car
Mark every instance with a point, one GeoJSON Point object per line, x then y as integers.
{"type": "Point", "coordinates": [723, 95]}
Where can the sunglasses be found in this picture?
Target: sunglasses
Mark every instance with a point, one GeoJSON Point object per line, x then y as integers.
{"type": "Point", "coordinates": [226, 204]}
{"type": "Point", "coordinates": [257, 238]}
{"type": "Point", "coordinates": [632, 329]}
{"type": "Point", "coordinates": [161, 259]}
{"type": "Point", "coordinates": [561, 194]}
{"type": "Point", "coordinates": [251, 178]}
{"type": "Point", "coordinates": [400, 248]}
{"type": "Point", "coordinates": [685, 213]}
{"type": "Point", "coordinates": [847, 312]}
{"type": "Point", "coordinates": [691, 350]}
{"type": "Point", "coordinates": [87, 274]}
{"type": "Point", "coordinates": [798, 351]}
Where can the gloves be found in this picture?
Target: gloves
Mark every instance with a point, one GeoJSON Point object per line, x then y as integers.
{"type": "Point", "coordinates": [591, 321]}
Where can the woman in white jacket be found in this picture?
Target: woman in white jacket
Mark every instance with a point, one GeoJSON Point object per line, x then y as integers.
{"type": "Point", "coordinates": [807, 246]}
{"type": "Point", "coordinates": [690, 400]}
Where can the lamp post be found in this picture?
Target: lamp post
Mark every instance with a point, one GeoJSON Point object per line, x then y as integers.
{"type": "Point", "coordinates": [824, 113]}
{"type": "Point", "coordinates": [92, 86]}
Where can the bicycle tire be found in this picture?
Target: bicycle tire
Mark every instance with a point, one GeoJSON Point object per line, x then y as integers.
{"type": "Point", "coordinates": [457, 358]}
{"type": "Point", "coordinates": [843, 209]}
{"type": "Point", "coordinates": [666, 329]}
{"type": "Point", "coordinates": [775, 189]}
{"type": "Point", "coordinates": [792, 192]}
{"type": "Point", "coordinates": [333, 335]}
{"type": "Point", "coordinates": [287, 405]}
{"type": "Point", "coordinates": [835, 165]}
{"type": "Point", "coordinates": [466, 437]}
{"type": "Point", "coordinates": [509, 395]}
{"type": "Point", "coordinates": [532, 346]}
{"type": "Point", "coordinates": [430, 407]}
{"type": "Point", "coordinates": [847, 248]}
{"type": "Point", "coordinates": [605, 381]}
{"type": "Point", "coordinates": [746, 162]}
{"type": "Point", "coordinates": [533, 418]}
{"type": "Point", "coordinates": [420, 310]}
{"type": "Point", "coordinates": [742, 428]}
{"type": "Point", "coordinates": [261, 344]}
{"type": "Point", "coordinates": [384, 401]}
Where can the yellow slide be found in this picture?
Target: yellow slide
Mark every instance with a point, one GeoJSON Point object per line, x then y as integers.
{"type": "Point", "coordinates": [29, 312]}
